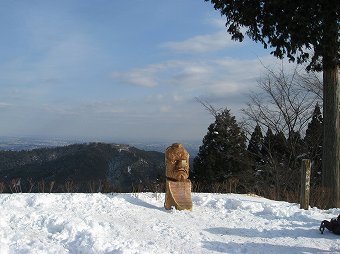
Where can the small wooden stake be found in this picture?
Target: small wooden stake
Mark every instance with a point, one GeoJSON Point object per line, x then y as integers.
{"type": "Point", "coordinates": [305, 184]}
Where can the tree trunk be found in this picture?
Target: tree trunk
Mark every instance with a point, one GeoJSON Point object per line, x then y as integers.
{"type": "Point", "coordinates": [331, 140]}
{"type": "Point", "coordinates": [331, 119]}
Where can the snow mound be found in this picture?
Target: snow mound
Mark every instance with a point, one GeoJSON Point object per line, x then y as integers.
{"type": "Point", "coordinates": [138, 223]}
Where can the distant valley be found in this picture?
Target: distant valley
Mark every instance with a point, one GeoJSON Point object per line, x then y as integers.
{"type": "Point", "coordinates": [86, 166]}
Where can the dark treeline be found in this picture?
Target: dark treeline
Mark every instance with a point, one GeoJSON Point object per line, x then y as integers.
{"type": "Point", "coordinates": [269, 159]}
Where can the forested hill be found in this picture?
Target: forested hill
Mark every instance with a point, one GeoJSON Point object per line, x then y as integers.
{"type": "Point", "coordinates": [122, 167]}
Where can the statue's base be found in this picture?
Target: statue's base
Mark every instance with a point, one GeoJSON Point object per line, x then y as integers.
{"type": "Point", "coordinates": [178, 194]}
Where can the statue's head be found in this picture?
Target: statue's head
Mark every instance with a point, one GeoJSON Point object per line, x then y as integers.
{"type": "Point", "coordinates": [177, 162]}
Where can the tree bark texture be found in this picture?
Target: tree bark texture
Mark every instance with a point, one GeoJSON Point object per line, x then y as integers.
{"type": "Point", "coordinates": [331, 117]}
{"type": "Point", "coordinates": [331, 140]}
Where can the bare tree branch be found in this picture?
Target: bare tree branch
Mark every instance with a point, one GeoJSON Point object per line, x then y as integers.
{"type": "Point", "coordinates": [211, 109]}
{"type": "Point", "coordinates": [285, 102]}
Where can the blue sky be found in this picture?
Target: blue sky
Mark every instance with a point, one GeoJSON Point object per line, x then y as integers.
{"type": "Point", "coordinates": [119, 70]}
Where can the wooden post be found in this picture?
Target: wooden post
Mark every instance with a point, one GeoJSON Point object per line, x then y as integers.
{"type": "Point", "coordinates": [305, 184]}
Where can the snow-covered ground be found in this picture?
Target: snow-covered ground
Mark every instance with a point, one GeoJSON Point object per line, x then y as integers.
{"type": "Point", "coordinates": [138, 223]}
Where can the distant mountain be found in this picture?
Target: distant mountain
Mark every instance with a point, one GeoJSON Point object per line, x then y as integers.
{"type": "Point", "coordinates": [122, 167]}
{"type": "Point", "coordinates": [192, 147]}
{"type": "Point", "coordinates": [29, 143]}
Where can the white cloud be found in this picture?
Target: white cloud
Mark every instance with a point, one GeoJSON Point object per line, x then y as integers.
{"type": "Point", "coordinates": [141, 77]}
{"type": "Point", "coordinates": [5, 105]}
{"type": "Point", "coordinates": [191, 75]}
{"type": "Point", "coordinates": [165, 109]}
{"type": "Point", "coordinates": [155, 98]}
{"type": "Point", "coordinates": [102, 107]}
{"type": "Point", "coordinates": [177, 97]}
{"type": "Point", "coordinates": [180, 73]}
{"type": "Point", "coordinates": [202, 43]}
{"type": "Point", "coordinates": [217, 22]}
{"type": "Point", "coordinates": [87, 108]}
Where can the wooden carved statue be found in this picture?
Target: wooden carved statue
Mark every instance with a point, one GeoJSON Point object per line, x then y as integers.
{"type": "Point", "coordinates": [178, 186]}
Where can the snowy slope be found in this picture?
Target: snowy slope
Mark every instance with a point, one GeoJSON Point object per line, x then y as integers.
{"type": "Point", "coordinates": [138, 223]}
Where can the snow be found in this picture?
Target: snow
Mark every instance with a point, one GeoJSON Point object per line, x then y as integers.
{"type": "Point", "coordinates": [138, 223]}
